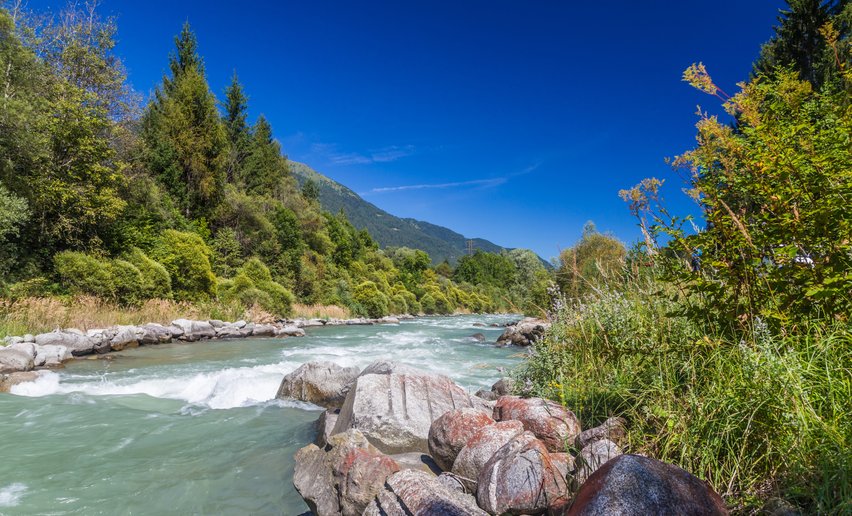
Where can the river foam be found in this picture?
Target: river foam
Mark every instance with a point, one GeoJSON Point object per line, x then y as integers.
{"type": "Point", "coordinates": [223, 389]}
{"type": "Point", "coordinates": [10, 496]}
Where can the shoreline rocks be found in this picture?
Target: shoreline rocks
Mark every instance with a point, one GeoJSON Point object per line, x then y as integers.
{"type": "Point", "coordinates": [406, 442]}
{"type": "Point", "coordinates": [524, 333]}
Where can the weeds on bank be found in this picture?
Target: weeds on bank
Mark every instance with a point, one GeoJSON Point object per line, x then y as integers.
{"type": "Point", "coordinates": [758, 416]}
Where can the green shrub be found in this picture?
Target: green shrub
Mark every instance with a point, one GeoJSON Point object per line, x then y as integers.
{"type": "Point", "coordinates": [398, 305]}
{"type": "Point", "coordinates": [280, 299]}
{"type": "Point", "coordinates": [128, 283]}
{"type": "Point", "coordinates": [427, 303]}
{"type": "Point", "coordinates": [256, 270]}
{"type": "Point", "coordinates": [80, 273]}
{"type": "Point", "coordinates": [187, 259]}
{"type": "Point", "coordinates": [156, 282]}
{"type": "Point", "coordinates": [33, 287]}
{"type": "Point", "coordinates": [371, 300]}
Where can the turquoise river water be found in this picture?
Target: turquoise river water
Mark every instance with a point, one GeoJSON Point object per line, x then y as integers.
{"type": "Point", "coordinates": [194, 428]}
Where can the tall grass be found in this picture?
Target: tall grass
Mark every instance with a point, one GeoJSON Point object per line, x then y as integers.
{"type": "Point", "coordinates": [320, 311]}
{"type": "Point", "coordinates": [758, 416]}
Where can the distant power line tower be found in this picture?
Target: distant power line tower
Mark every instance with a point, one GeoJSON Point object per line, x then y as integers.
{"type": "Point", "coordinates": [470, 247]}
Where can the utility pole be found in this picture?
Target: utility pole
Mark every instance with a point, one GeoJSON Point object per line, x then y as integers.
{"type": "Point", "coordinates": [470, 247]}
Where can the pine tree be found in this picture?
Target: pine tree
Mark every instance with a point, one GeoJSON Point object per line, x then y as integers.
{"type": "Point", "coordinates": [187, 143]}
{"type": "Point", "coordinates": [797, 42]}
{"type": "Point", "coordinates": [239, 133]}
{"type": "Point", "coordinates": [264, 166]}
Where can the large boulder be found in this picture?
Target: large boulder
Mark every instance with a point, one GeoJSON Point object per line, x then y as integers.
{"type": "Point", "coordinates": [321, 383]}
{"type": "Point", "coordinates": [613, 429]}
{"type": "Point", "coordinates": [192, 331]}
{"type": "Point", "coordinates": [345, 478]}
{"type": "Point", "coordinates": [481, 447]}
{"type": "Point", "coordinates": [51, 355]}
{"type": "Point", "coordinates": [153, 333]}
{"type": "Point", "coordinates": [591, 458]}
{"type": "Point", "coordinates": [412, 492]}
{"type": "Point", "coordinates": [101, 339]}
{"type": "Point", "coordinates": [125, 337]}
{"type": "Point", "coordinates": [524, 333]}
{"type": "Point", "coordinates": [289, 331]}
{"type": "Point", "coordinates": [395, 410]}
{"type": "Point", "coordinates": [14, 360]}
{"type": "Point", "coordinates": [264, 330]}
{"type": "Point", "coordinates": [521, 478]}
{"type": "Point", "coordinates": [630, 484]}
{"type": "Point", "coordinates": [75, 342]}
{"type": "Point", "coordinates": [555, 425]}
{"type": "Point", "coordinates": [325, 426]}
{"type": "Point", "coordinates": [450, 432]}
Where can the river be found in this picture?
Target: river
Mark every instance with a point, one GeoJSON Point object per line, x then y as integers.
{"type": "Point", "coordinates": [194, 428]}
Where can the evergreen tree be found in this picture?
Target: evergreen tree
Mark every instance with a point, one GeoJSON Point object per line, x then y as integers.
{"type": "Point", "coordinates": [798, 44]}
{"type": "Point", "coordinates": [239, 133]}
{"type": "Point", "coordinates": [187, 144]}
{"type": "Point", "coordinates": [264, 166]}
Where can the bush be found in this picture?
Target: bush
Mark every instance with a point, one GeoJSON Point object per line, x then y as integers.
{"type": "Point", "coordinates": [127, 282]}
{"type": "Point", "coordinates": [270, 296]}
{"type": "Point", "coordinates": [80, 273]}
{"type": "Point", "coordinates": [427, 303]}
{"type": "Point", "coordinates": [156, 282]}
{"type": "Point", "coordinates": [33, 287]}
{"type": "Point", "coordinates": [256, 270]}
{"type": "Point", "coordinates": [187, 259]}
{"type": "Point", "coordinates": [372, 302]}
{"type": "Point", "coordinates": [398, 305]}
{"type": "Point", "coordinates": [280, 299]}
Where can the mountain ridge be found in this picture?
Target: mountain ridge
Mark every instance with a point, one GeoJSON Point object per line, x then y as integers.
{"type": "Point", "coordinates": [387, 229]}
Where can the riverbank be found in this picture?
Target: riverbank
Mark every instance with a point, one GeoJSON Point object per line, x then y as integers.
{"type": "Point", "coordinates": [23, 354]}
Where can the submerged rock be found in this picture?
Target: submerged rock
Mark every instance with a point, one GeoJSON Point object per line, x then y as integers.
{"type": "Point", "coordinates": [321, 383]}
{"type": "Point", "coordinates": [7, 381]}
{"type": "Point", "coordinates": [630, 484]}
{"type": "Point", "coordinates": [555, 425]}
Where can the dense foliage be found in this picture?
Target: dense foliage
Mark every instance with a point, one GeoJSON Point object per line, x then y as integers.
{"type": "Point", "coordinates": [184, 198]}
{"type": "Point", "coordinates": [725, 339]}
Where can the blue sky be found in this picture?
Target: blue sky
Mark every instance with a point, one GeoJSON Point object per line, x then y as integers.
{"type": "Point", "coordinates": [512, 121]}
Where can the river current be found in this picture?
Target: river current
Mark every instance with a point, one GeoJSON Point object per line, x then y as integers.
{"type": "Point", "coordinates": [195, 428]}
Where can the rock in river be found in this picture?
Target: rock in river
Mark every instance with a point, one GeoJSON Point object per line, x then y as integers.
{"type": "Point", "coordinates": [321, 383]}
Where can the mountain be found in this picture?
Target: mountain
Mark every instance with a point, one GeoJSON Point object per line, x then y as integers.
{"type": "Point", "coordinates": [388, 230]}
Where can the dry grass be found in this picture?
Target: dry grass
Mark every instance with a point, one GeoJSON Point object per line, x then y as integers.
{"type": "Point", "coordinates": [320, 311]}
{"type": "Point", "coordinates": [37, 315]}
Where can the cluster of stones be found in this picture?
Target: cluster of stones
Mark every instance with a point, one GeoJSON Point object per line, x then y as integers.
{"type": "Point", "coordinates": [20, 356]}
{"type": "Point", "coordinates": [523, 333]}
{"type": "Point", "coordinates": [397, 441]}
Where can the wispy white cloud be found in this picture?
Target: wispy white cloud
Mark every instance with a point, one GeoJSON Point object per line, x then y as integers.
{"type": "Point", "coordinates": [383, 155]}
{"type": "Point", "coordinates": [483, 183]}
{"type": "Point", "coordinates": [474, 182]}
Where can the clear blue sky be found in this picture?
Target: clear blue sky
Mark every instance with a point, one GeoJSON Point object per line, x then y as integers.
{"type": "Point", "coordinates": [512, 121]}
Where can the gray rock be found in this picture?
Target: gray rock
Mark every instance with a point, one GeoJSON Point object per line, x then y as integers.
{"type": "Point", "coordinates": [396, 410]}
{"type": "Point", "coordinates": [418, 461]}
{"type": "Point", "coordinates": [153, 333]}
{"type": "Point", "coordinates": [263, 330]}
{"type": "Point", "coordinates": [325, 426]}
{"type": "Point", "coordinates": [51, 355]}
{"type": "Point", "coordinates": [101, 339]}
{"type": "Point", "coordinates": [76, 343]}
{"type": "Point", "coordinates": [194, 330]}
{"type": "Point", "coordinates": [27, 347]}
{"type": "Point", "coordinates": [481, 447]}
{"type": "Point", "coordinates": [289, 331]}
{"type": "Point", "coordinates": [231, 332]}
{"type": "Point", "coordinates": [524, 333]}
{"type": "Point", "coordinates": [216, 323]}
{"type": "Point", "coordinates": [240, 324]}
{"type": "Point", "coordinates": [478, 337]}
{"type": "Point", "coordinates": [313, 480]}
{"type": "Point", "coordinates": [125, 337]}
{"type": "Point", "coordinates": [612, 429]}
{"type": "Point", "coordinates": [591, 458]}
{"type": "Point", "coordinates": [486, 395]}
{"type": "Point", "coordinates": [388, 367]}
{"type": "Point", "coordinates": [388, 320]}
{"type": "Point", "coordinates": [630, 484]}
{"type": "Point", "coordinates": [520, 478]}
{"type": "Point", "coordinates": [29, 337]}
{"type": "Point", "coordinates": [502, 387]}
{"type": "Point", "coordinates": [450, 433]}
{"type": "Point", "coordinates": [15, 360]}
{"type": "Point", "coordinates": [321, 383]}
{"type": "Point", "coordinates": [452, 482]}
{"type": "Point", "coordinates": [412, 492]}
{"type": "Point", "coordinates": [9, 340]}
